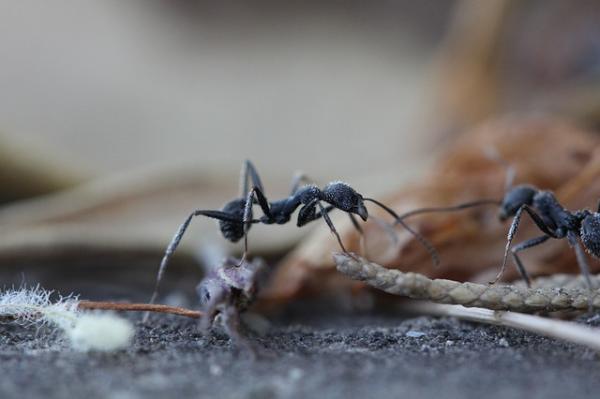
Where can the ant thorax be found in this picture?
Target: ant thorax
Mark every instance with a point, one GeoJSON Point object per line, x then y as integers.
{"type": "Point", "coordinates": [306, 194]}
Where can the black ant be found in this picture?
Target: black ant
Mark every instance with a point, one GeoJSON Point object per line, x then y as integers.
{"type": "Point", "coordinates": [236, 218]}
{"type": "Point", "coordinates": [549, 216]}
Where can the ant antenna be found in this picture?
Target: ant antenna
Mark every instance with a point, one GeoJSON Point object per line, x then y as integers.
{"type": "Point", "coordinates": [492, 153]}
{"type": "Point", "coordinates": [428, 245]}
{"type": "Point", "coordinates": [453, 208]}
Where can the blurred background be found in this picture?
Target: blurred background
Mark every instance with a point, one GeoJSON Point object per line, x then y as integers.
{"type": "Point", "coordinates": [153, 105]}
{"type": "Point", "coordinates": [108, 86]}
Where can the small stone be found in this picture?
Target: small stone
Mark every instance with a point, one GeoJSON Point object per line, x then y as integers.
{"type": "Point", "coordinates": [415, 334]}
{"type": "Point", "coordinates": [503, 342]}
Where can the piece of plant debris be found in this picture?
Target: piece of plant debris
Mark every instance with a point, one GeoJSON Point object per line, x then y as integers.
{"type": "Point", "coordinates": [549, 294]}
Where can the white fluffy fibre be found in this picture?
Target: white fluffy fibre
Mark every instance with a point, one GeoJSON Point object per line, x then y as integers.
{"type": "Point", "coordinates": [86, 331]}
{"type": "Point", "coordinates": [33, 306]}
{"type": "Point", "coordinates": [104, 332]}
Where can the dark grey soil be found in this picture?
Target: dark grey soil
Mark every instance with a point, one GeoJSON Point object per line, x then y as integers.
{"type": "Point", "coordinates": [346, 356]}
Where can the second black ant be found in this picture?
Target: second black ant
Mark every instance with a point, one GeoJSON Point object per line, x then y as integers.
{"type": "Point", "coordinates": [581, 228]}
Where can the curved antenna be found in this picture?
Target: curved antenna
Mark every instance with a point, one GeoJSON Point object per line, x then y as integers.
{"type": "Point", "coordinates": [492, 153]}
{"type": "Point", "coordinates": [452, 208]}
{"type": "Point", "coordinates": [428, 245]}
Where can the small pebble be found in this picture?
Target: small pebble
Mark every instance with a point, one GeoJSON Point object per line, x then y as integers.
{"type": "Point", "coordinates": [415, 334]}
{"type": "Point", "coordinates": [503, 342]}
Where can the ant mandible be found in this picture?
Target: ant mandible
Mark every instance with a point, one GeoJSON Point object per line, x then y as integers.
{"type": "Point", "coordinates": [554, 220]}
{"type": "Point", "coordinates": [236, 217]}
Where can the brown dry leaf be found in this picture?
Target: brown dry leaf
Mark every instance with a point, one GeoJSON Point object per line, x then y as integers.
{"type": "Point", "coordinates": [27, 172]}
{"type": "Point", "coordinates": [545, 152]}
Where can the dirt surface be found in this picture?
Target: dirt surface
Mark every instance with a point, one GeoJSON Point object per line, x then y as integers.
{"type": "Point", "coordinates": [350, 355]}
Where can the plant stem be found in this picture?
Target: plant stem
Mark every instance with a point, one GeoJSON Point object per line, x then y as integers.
{"type": "Point", "coordinates": [564, 330]}
{"type": "Point", "coordinates": [140, 307]}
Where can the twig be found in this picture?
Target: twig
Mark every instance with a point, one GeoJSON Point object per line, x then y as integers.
{"type": "Point", "coordinates": [553, 293]}
{"type": "Point", "coordinates": [564, 330]}
{"type": "Point", "coordinates": [140, 307]}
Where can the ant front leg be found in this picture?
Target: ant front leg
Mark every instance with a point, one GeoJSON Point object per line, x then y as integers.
{"type": "Point", "coordinates": [513, 231]}
{"type": "Point", "coordinates": [332, 228]}
{"type": "Point", "coordinates": [361, 233]}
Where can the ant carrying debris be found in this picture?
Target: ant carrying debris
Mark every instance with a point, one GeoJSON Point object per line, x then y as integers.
{"type": "Point", "coordinates": [547, 213]}
{"type": "Point", "coordinates": [236, 217]}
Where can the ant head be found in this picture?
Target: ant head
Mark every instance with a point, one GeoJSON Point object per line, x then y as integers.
{"type": "Point", "coordinates": [590, 233]}
{"type": "Point", "coordinates": [515, 198]}
{"type": "Point", "coordinates": [345, 198]}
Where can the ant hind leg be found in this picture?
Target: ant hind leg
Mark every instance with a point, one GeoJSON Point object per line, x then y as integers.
{"type": "Point", "coordinates": [581, 260]}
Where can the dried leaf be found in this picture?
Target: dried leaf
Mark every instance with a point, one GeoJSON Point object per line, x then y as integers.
{"type": "Point", "coordinates": [547, 153]}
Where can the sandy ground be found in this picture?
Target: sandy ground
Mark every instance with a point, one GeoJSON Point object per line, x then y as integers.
{"type": "Point", "coordinates": [344, 356]}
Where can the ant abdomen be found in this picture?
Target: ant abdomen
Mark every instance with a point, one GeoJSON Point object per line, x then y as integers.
{"type": "Point", "coordinates": [590, 234]}
{"type": "Point", "coordinates": [233, 231]}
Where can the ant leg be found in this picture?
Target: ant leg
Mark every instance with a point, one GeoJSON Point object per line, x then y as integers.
{"type": "Point", "coordinates": [297, 180]}
{"type": "Point", "coordinates": [511, 234]}
{"type": "Point", "coordinates": [257, 193]}
{"type": "Point", "coordinates": [249, 173]}
{"type": "Point", "coordinates": [522, 246]}
{"type": "Point", "coordinates": [513, 230]}
{"type": "Point", "coordinates": [177, 239]}
{"type": "Point", "coordinates": [332, 228]}
{"type": "Point", "coordinates": [540, 222]}
{"type": "Point", "coordinates": [387, 227]}
{"type": "Point", "coordinates": [598, 210]}
{"type": "Point", "coordinates": [363, 245]}
{"type": "Point", "coordinates": [581, 260]}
